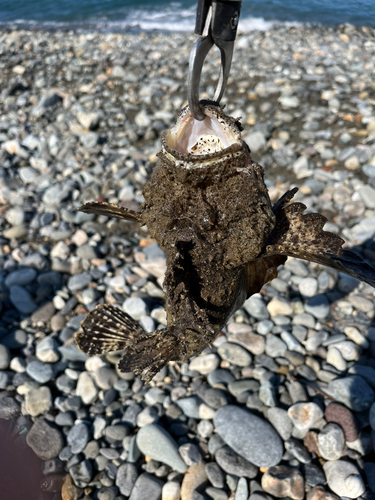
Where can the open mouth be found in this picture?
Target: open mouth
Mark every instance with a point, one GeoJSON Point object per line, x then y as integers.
{"type": "Point", "coordinates": [195, 137]}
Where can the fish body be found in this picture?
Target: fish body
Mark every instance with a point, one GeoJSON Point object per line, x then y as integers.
{"type": "Point", "coordinates": [207, 206]}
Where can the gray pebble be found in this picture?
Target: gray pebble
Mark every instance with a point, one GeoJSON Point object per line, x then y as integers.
{"type": "Point", "coordinates": [215, 475]}
{"type": "Point", "coordinates": [214, 493]}
{"type": "Point", "coordinates": [250, 436]}
{"type": "Point", "coordinates": [314, 475]}
{"type": "Point", "coordinates": [234, 354]}
{"type": "Point", "coordinates": [215, 443]}
{"type": "Point", "coordinates": [190, 406]}
{"type": "Point", "coordinates": [105, 377]}
{"type": "Point", "coordinates": [20, 277]}
{"type": "Point", "coordinates": [275, 347]}
{"type": "Point", "coordinates": [22, 299]}
{"type": "Point", "coordinates": [318, 306]}
{"type": "Point", "coordinates": [265, 326]}
{"type": "Point", "coordinates": [190, 454]}
{"type": "Point", "coordinates": [4, 357]}
{"type": "Point", "coordinates": [146, 486]}
{"type": "Point", "coordinates": [81, 473]}
{"type": "Point", "coordinates": [245, 385]}
{"type": "Point", "coordinates": [256, 307]}
{"type": "Point", "coordinates": [353, 391]}
{"type": "Point", "coordinates": [40, 372]}
{"type": "Point", "coordinates": [344, 478]}
{"type": "Point", "coordinates": [47, 350]}
{"type": "Point", "coordinates": [280, 420]}
{"type": "Point", "coordinates": [296, 448]}
{"type": "Point", "coordinates": [220, 376]}
{"type": "Point", "coordinates": [78, 437]}
{"type": "Point", "coordinates": [135, 307]}
{"type": "Point", "coordinates": [115, 433]}
{"type": "Point", "coordinates": [234, 464]}
{"type": "Point", "coordinates": [126, 477]}
{"type": "Point", "coordinates": [156, 442]}
{"type": "Point", "coordinates": [79, 281]}
{"type": "Point", "coordinates": [242, 492]}
{"type": "Point", "coordinates": [147, 416]}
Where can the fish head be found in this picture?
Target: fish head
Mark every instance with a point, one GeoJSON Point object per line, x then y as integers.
{"type": "Point", "coordinates": [214, 134]}
{"type": "Point", "coordinates": [197, 150]}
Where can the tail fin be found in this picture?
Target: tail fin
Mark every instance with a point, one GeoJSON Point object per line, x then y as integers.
{"type": "Point", "coordinates": [107, 328]}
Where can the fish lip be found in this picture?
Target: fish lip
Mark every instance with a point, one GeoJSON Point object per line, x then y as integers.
{"type": "Point", "coordinates": [212, 111]}
{"type": "Point", "coordinates": [199, 159]}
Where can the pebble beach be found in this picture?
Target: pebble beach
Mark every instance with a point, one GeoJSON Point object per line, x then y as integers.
{"type": "Point", "coordinates": [283, 404]}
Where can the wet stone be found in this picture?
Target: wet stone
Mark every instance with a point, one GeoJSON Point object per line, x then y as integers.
{"type": "Point", "coordinates": [46, 441]}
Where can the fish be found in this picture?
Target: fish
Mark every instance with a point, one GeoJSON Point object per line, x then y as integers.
{"type": "Point", "coordinates": [207, 206]}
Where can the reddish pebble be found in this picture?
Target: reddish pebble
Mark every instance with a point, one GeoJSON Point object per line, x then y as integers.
{"type": "Point", "coordinates": [340, 414]}
{"type": "Point", "coordinates": [311, 442]}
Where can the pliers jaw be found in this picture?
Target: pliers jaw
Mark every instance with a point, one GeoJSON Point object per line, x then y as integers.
{"type": "Point", "coordinates": [217, 22]}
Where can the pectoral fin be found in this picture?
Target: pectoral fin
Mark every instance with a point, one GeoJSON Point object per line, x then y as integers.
{"type": "Point", "coordinates": [110, 210]}
{"type": "Point", "coordinates": [108, 328]}
{"type": "Point", "coordinates": [302, 236]}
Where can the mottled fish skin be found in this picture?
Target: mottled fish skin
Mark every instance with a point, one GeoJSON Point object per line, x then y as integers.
{"type": "Point", "coordinates": [212, 215]}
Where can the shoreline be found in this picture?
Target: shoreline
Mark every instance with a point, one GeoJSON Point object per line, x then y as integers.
{"type": "Point", "coordinates": [255, 25]}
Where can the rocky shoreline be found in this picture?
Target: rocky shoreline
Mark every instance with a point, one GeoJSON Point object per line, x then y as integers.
{"type": "Point", "coordinates": [282, 405]}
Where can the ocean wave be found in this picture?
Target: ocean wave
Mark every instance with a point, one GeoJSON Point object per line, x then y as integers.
{"type": "Point", "coordinates": [155, 22]}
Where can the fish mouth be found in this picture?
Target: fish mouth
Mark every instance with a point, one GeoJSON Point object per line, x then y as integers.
{"type": "Point", "coordinates": [215, 133]}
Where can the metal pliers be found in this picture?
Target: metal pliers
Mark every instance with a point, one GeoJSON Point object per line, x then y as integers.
{"type": "Point", "coordinates": [216, 22]}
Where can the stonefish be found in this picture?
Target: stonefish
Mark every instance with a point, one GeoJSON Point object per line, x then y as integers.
{"type": "Point", "coordinates": [207, 206]}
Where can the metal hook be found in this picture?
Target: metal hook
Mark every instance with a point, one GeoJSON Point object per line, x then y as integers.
{"type": "Point", "coordinates": [220, 29]}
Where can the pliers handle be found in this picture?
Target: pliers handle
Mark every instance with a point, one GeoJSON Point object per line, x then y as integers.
{"type": "Point", "coordinates": [216, 22]}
